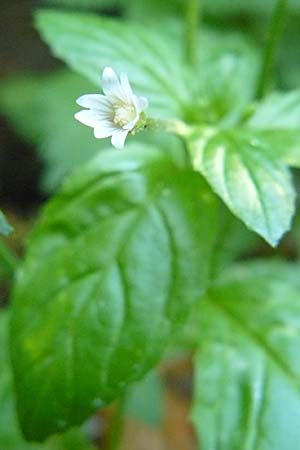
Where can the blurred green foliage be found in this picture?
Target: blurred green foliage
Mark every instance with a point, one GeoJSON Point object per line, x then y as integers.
{"type": "Point", "coordinates": [135, 217]}
{"type": "Point", "coordinates": [42, 108]}
{"type": "Point", "coordinates": [10, 434]}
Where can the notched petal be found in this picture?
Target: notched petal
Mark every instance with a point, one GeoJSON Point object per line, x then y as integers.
{"type": "Point", "coordinates": [127, 90]}
{"type": "Point", "coordinates": [91, 117]}
{"type": "Point", "coordinates": [110, 84]}
{"type": "Point", "coordinates": [95, 101]}
{"type": "Point", "coordinates": [118, 139]}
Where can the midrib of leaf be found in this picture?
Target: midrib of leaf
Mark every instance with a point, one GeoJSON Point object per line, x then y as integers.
{"type": "Point", "coordinates": [122, 277]}
{"type": "Point", "coordinates": [223, 163]}
{"type": "Point", "coordinates": [126, 305]}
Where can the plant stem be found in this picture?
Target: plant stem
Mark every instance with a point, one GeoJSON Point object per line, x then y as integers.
{"type": "Point", "coordinates": [8, 261]}
{"type": "Point", "coordinates": [192, 18]}
{"type": "Point", "coordinates": [272, 44]}
{"type": "Point", "coordinates": [116, 428]}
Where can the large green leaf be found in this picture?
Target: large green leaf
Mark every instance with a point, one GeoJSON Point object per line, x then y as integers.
{"type": "Point", "coordinates": [5, 228]}
{"type": "Point", "coordinates": [247, 387]}
{"type": "Point", "coordinates": [112, 270]}
{"type": "Point", "coordinates": [88, 43]}
{"type": "Point", "coordinates": [254, 185]}
{"type": "Point", "coordinates": [10, 435]}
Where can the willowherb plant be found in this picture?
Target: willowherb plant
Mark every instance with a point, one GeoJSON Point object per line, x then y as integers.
{"type": "Point", "coordinates": [136, 242]}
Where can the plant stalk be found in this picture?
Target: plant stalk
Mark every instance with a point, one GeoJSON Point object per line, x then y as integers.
{"type": "Point", "coordinates": [192, 20]}
{"type": "Point", "coordinates": [271, 49]}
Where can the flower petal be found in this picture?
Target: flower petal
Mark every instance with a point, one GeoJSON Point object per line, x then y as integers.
{"type": "Point", "coordinates": [126, 88]}
{"type": "Point", "coordinates": [118, 139]}
{"type": "Point", "coordinates": [89, 117]}
{"type": "Point", "coordinates": [111, 85]}
{"type": "Point", "coordinates": [104, 129]}
{"type": "Point", "coordinates": [95, 101]}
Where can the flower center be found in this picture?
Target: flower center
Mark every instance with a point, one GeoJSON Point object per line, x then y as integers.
{"type": "Point", "coordinates": [124, 114]}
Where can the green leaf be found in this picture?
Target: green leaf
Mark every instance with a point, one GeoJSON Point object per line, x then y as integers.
{"type": "Point", "coordinates": [277, 120]}
{"type": "Point", "coordinates": [49, 123]}
{"type": "Point", "coordinates": [88, 43]}
{"type": "Point", "coordinates": [10, 435]}
{"type": "Point", "coordinates": [278, 110]}
{"type": "Point", "coordinates": [223, 70]}
{"type": "Point", "coordinates": [5, 228]}
{"type": "Point", "coordinates": [256, 187]}
{"type": "Point", "coordinates": [247, 382]}
{"type": "Point", "coordinates": [112, 269]}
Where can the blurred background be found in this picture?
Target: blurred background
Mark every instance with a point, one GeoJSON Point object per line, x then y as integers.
{"type": "Point", "coordinates": [40, 143]}
{"type": "Point", "coordinates": [31, 161]}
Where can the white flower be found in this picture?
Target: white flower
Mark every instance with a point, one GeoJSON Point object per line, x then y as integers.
{"type": "Point", "coordinates": [115, 113]}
